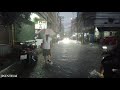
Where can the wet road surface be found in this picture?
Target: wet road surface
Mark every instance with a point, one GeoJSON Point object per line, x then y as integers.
{"type": "Point", "coordinates": [70, 60]}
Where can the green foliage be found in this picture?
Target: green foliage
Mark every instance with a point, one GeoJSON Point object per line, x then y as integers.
{"type": "Point", "coordinates": [15, 17]}
{"type": "Point", "coordinates": [26, 32]}
{"type": "Point", "coordinates": [36, 20]}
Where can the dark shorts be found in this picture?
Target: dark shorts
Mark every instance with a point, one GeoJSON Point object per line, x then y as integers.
{"type": "Point", "coordinates": [46, 52]}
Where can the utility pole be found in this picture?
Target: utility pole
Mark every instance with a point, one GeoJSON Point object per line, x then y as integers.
{"type": "Point", "coordinates": [60, 24]}
{"type": "Point", "coordinates": [77, 27]}
{"type": "Point", "coordinates": [61, 19]}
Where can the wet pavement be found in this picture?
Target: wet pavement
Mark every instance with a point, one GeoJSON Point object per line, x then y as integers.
{"type": "Point", "coordinates": [70, 60]}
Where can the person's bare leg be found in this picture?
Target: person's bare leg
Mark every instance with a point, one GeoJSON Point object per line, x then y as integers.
{"type": "Point", "coordinates": [101, 71]}
{"type": "Point", "coordinates": [45, 58]}
{"type": "Point", "coordinates": [49, 57]}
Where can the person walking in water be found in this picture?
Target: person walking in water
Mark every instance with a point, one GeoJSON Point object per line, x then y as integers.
{"type": "Point", "coordinates": [47, 44]}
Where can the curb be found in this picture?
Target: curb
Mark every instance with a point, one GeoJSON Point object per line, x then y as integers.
{"type": "Point", "coordinates": [13, 69]}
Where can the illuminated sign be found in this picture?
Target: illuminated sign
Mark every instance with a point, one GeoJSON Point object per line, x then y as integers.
{"type": "Point", "coordinates": [41, 25]}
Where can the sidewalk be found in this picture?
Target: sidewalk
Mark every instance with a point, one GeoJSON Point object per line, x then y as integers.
{"type": "Point", "coordinates": [14, 68]}
{"type": "Point", "coordinates": [5, 62]}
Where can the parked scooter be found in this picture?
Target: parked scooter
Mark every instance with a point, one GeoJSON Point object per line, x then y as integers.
{"type": "Point", "coordinates": [111, 64]}
{"type": "Point", "coordinates": [28, 54]}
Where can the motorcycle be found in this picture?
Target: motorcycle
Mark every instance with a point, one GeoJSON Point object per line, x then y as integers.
{"type": "Point", "coordinates": [111, 64]}
{"type": "Point", "coordinates": [28, 54]}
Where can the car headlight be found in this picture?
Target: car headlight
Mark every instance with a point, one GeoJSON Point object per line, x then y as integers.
{"type": "Point", "coordinates": [104, 47]}
{"type": "Point", "coordinates": [21, 43]}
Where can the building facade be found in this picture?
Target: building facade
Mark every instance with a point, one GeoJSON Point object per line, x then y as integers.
{"type": "Point", "coordinates": [52, 19]}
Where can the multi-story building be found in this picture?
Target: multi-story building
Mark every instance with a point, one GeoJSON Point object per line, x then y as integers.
{"type": "Point", "coordinates": [85, 21]}
{"type": "Point", "coordinates": [52, 19]}
{"type": "Point", "coordinates": [103, 21]}
{"type": "Point", "coordinates": [85, 25]}
{"type": "Point", "coordinates": [74, 25]}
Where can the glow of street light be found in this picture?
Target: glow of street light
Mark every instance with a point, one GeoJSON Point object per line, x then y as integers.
{"type": "Point", "coordinates": [66, 40]}
{"type": "Point", "coordinates": [58, 36]}
{"type": "Point", "coordinates": [33, 15]}
{"type": "Point", "coordinates": [74, 35]}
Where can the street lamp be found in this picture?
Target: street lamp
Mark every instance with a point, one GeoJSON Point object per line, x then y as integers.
{"type": "Point", "coordinates": [33, 16]}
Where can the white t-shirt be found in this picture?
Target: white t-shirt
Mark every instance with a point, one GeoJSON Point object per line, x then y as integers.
{"type": "Point", "coordinates": [46, 44]}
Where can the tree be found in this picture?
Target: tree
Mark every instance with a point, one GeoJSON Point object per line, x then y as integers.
{"type": "Point", "coordinates": [15, 17]}
{"type": "Point", "coordinates": [36, 20]}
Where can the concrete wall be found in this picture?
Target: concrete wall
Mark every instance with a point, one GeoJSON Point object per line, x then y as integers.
{"type": "Point", "coordinates": [5, 47]}
{"type": "Point", "coordinates": [4, 35]}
